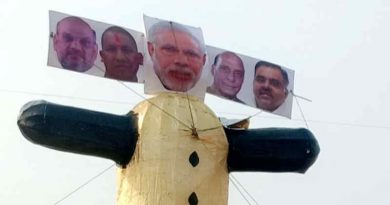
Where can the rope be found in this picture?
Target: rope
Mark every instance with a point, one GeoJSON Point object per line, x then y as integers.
{"type": "Point", "coordinates": [239, 190]}
{"type": "Point", "coordinates": [144, 98]}
{"type": "Point", "coordinates": [300, 109]}
{"type": "Point", "coordinates": [242, 187]}
{"type": "Point", "coordinates": [221, 112]}
{"type": "Point", "coordinates": [84, 184]}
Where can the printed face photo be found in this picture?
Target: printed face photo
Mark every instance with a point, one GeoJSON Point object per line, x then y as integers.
{"type": "Point", "coordinates": [75, 44]}
{"type": "Point", "coordinates": [250, 81]}
{"type": "Point", "coordinates": [120, 55]}
{"type": "Point", "coordinates": [95, 48]}
{"type": "Point", "coordinates": [177, 56]}
{"type": "Point", "coordinates": [269, 86]}
{"type": "Point", "coordinates": [170, 57]}
{"type": "Point", "coordinates": [228, 75]}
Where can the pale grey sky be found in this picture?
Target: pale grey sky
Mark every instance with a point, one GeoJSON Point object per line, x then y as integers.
{"type": "Point", "coordinates": [338, 49]}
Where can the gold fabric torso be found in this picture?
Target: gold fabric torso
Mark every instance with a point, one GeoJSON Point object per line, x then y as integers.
{"type": "Point", "coordinates": [160, 171]}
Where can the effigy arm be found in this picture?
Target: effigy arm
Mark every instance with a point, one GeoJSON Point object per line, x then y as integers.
{"type": "Point", "coordinates": [80, 131]}
{"type": "Point", "coordinates": [271, 149]}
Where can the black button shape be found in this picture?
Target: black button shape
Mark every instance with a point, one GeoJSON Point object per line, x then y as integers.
{"type": "Point", "coordinates": [193, 199]}
{"type": "Point", "coordinates": [194, 159]}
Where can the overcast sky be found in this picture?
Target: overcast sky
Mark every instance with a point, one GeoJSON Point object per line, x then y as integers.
{"type": "Point", "coordinates": [338, 49]}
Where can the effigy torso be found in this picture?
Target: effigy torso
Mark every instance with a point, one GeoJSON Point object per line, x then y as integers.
{"type": "Point", "coordinates": [175, 164]}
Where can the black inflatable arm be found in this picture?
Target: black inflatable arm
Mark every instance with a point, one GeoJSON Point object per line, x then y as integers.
{"type": "Point", "coordinates": [271, 149]}
{"type": "Point", "coordinates": [114, 137]}
{"type": "Point", "coordinates": [80, 131]}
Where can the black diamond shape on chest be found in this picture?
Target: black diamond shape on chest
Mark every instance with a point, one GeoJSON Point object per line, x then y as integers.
{"type": "Point", "coordinates": [193, 199]}
{"type": "Point", "coordinates": [194, 159]}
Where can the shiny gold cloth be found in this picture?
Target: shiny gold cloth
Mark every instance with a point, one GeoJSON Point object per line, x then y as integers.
{"type": "Point", "coordinates": [160, 171]}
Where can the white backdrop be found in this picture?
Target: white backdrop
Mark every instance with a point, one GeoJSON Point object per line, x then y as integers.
{"type": "Point", "coordinates": [338, 49]}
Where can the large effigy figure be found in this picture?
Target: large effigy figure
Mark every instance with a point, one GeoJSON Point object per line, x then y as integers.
{"type": "Point", "coordinates": [170, 149]}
